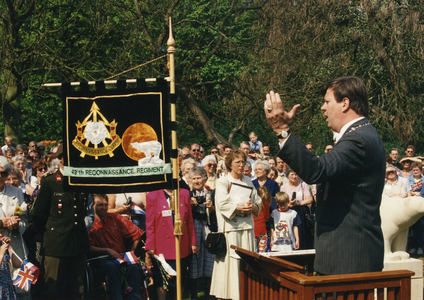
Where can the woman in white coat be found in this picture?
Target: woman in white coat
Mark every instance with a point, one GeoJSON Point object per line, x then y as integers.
{"type": "Point", "coordinates": [234, 216]}
{"type": "Point", "coordinates": [13, 222]}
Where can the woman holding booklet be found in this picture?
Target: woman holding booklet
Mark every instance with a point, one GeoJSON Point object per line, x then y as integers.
{"type": "Point", "coordinates": [235, 202]}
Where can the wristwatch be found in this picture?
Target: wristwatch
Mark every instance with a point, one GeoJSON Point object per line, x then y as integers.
{"type": "Point", "coordinates": [284, 134]}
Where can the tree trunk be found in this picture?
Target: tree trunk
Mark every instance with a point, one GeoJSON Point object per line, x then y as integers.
{"type": "Point", "coordinates": [11, 105]}
{"type": "Point", "coordinates": [211, 133]}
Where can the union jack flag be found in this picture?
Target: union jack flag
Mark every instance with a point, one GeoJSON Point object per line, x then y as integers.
{"type": "Point", "coordinates": [417, 186]}
{"type": "Point", "coordinates": [27, 275]}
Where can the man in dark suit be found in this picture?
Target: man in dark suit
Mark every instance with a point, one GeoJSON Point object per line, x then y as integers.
{"type": "Point", "coordinates": [60, 216]}
{"type": "Point", "coordinates": [350, 178]}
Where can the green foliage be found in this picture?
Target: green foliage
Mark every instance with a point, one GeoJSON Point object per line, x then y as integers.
{"type": "Point", "coordinates": [229, 55]}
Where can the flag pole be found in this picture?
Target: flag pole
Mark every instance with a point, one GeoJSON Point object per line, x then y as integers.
{"type": "Point", "coordinates": [175, 166]}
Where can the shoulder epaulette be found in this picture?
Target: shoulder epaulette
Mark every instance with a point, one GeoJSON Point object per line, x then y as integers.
{"type": "Point", "coordinates": [47, 173]}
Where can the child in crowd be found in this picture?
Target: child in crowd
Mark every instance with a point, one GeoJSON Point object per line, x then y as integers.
{"type": "Point", "coordinates": [285, 232]}
{"type": "Point", "coordinates": [254, 143]}
{"type": "Point", "coordinates": [261, 233]}
{"type": "Point", "coordinates": [7, 289]}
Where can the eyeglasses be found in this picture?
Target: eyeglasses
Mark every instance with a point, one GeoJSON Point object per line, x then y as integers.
{"type": "Point", "coordinates": [201, 151]}
{"type": "Point", "coordinates": [40, 149]}
{"type": "Point", "coordinates": [211, 165]}
{"type": "Point", "coordinates": [409, 151]}
{"type": "Point", "coordinates": [42, 169]}
{"type": "Point", "coordinates": [4, 174]}
{"type": "Point", "coordinates": [195, 150]}
{"type": "Point", "coordinates": [390, 172]}
{"type": "Point", "coordinates": [214, 152]}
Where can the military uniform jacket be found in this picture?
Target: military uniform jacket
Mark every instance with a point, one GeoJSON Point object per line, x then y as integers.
{"type": "Point", "coordinates": [60, 216]}
{"type": "Point", "coordinates": [350, 183]}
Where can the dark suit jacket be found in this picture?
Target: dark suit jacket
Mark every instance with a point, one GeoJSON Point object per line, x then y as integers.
{"type": "Point", "coordinates": [60, 216]}
{"type": "Point", "coordinates": [350, 183]}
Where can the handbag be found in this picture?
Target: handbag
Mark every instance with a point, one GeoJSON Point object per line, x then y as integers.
{"type": "Point", "coordinates": [216, 243]}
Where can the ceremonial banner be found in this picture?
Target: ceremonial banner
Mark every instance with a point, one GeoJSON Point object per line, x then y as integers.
{"type": "Point", "coordinates": [117, 140]}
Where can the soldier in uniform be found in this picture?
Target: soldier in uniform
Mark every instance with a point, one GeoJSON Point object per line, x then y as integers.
{"type": "Point", "coordinates": [60, 216]}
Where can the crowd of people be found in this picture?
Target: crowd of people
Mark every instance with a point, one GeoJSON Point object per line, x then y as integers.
{"type": "Point", "coordinates": [276, 214]}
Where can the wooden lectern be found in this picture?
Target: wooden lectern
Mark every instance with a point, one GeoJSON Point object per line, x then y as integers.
{"type": "Point", "coordinates": [271, 278]}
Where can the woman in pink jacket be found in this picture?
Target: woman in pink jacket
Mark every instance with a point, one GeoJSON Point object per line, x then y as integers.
{"type": "Point", "coordinates": [160, 237]}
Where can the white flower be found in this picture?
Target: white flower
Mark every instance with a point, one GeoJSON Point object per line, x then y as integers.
{"type": "Point", "coordinates": [95, 132]}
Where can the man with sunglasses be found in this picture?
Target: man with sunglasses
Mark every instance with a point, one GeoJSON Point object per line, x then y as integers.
{"type": "Point", "coordinates": [410, 151]}
{"type": "Point", "coordinates": [394, 187]}
{"type": "Point", "coordinates": [195, 151]}
{"type": "Point", "coordinates": [32, 145]}
{"type": "Point", "coordinates": [60, 216]}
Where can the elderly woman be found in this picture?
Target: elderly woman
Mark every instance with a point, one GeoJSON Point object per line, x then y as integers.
{"type": "Point", "coordinates": [301, 197]}
{"type": "Point", "coordinates": [186, 167]}
{"type": "Point", "coordinates": [202, 209]}
{"type": "Point", "coordinates": [12, 222]}
{"type": "Point", "coordinates": [394, 187]}
{"type": "Point", "coordinates": [14, 178]}
{"type": "Point", "coordinates": [209, 164]}
{"type": "Point", "coordinates": [235, 220]}
{"type": "Point", "coordinates": [262, 170]}
{"type": "Point", "coordinates": [20, 162]}
{"type": "Point", "coordinates": [416, 180]}
{"type": "Point", "coordinates": [406, 165]}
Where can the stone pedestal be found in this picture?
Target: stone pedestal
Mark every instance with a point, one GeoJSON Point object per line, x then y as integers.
{"type": "Point", "coordinates": [414, 265]}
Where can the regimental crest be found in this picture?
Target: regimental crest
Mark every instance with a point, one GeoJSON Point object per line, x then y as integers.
{"type": "Point", "coordinates": [96, 137]}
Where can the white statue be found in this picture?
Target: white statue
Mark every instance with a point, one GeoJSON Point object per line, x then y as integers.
{"type": "Point", "coordinates": [397, 215]}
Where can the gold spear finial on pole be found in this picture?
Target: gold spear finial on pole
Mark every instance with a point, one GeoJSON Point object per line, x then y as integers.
{"type": "Point", "coordinates": [175, 201]}
{"type": "Point", "coordinates": [171, 41]}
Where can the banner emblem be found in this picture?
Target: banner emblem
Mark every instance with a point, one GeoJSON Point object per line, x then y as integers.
{"type": "Point", "coordinates": [95, 132]}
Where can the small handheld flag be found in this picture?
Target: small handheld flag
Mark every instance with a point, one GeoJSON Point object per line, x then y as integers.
{"type": "Point", "coordinates": [27, 275]}
{"type": "Point", "coordinates": [136, 210]}
{"type": "Point", "coordinates": [130, 258]}
{"type": "Point", "coordinates": [118, 260]}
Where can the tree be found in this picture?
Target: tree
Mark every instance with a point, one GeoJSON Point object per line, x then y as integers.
{"type": "Point", "coordinates": [13, 16]}
{"type": "Point", "coordinates": [310, 42]}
